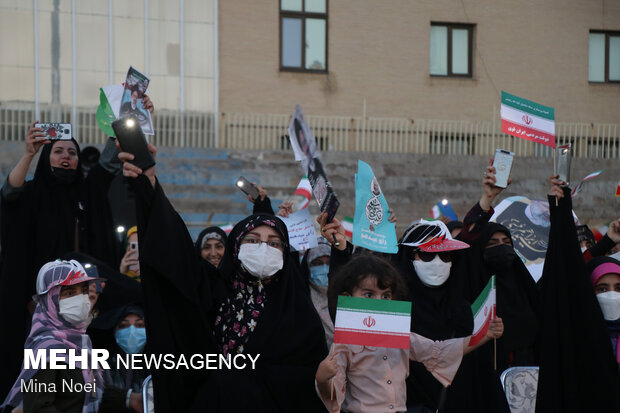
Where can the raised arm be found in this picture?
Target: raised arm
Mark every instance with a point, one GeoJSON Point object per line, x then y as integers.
{"type": "Point", "coordinates": [479, 214]}
{"type": "Point", "coordinates": [34, 142]}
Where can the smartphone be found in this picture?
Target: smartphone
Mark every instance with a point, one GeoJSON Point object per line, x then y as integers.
{"type": "Point", "coordinates": [56, 131]}
{"type": "Point", "coordinates": [133, 246]}
{"type": "Point", "coordinates": [503, 164]}
{"type": "Point", "coordinates": [132, 140]}
{"type": "Point", "coordinates": [563, 162]}
{"type": "Point", "coordinates": [247, 187]}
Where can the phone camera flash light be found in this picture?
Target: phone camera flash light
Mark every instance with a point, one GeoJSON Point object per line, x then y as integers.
{"type": "Point", "coordinates": [239, 183]}
{"type": "Point", "coordinates": [444, 202]}
{"type": "Point", "coordinates": [120, 229]}
{"type": "Point", "coordinates": [130, 123]}
{"type": "Point", "coordinates": [87, 266]}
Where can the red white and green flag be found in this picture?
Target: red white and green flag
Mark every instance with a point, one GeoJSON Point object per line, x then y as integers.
{"type": "Point", "coordinates": [305, 190]}
{"type": "Point", "coordinates": [587, 178]}
{"type": "Point", "coordinates": [369, 322]}
{"type": "Point", "coordinates": [484, 311]}
{"type": "Point", "coordinates": [227, 228]}
{"type": "Point", "coordinates": [528, 120]}
{"type": "Point", "coordinates": [347, 224]}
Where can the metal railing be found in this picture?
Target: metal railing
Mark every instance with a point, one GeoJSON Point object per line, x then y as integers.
{"type": "Point", "coordinates": [335, 133]}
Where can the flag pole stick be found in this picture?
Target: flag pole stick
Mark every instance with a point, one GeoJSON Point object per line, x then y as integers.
{"type": "Point", "coordinates": [555, 169]}
{"type": "Point", "coordinates": [495, 354]}
{"type": "Point", "coordinates": [331, 389]}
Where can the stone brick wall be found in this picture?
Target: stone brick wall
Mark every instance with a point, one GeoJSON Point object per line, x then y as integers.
{"type": "Point", "coordinates": [200, 182]}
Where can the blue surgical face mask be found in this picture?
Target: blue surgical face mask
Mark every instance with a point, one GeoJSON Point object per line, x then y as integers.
{"type": "Point", "coordinates": [318, 274]}
{"type": "Point", "coordinates": [131, 339]}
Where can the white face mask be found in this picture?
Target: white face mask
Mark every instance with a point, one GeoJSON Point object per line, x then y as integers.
{"type": "Point", "coordinates": [75, 309]}
{"type": "Point", "coordinates": [433, 273]}
{"type": "Point", "coordinates": [610, 304]}
{"type": "Point", "coordinates": [261, 261]}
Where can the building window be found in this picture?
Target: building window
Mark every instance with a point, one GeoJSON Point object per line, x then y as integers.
{"type": "Point", "coordinates": [604, 56]}
{"type": "Point", "coordinates": [451, 49]}
{"type": "Point", "coordinates": [303, 35]}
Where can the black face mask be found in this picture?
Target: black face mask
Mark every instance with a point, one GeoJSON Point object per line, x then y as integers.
{"type": "Point", "coordinates": [64, 176]}
{"type": "Point", "coordinates": [500, 257]}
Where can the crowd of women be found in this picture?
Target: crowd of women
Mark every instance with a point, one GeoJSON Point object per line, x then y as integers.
{"type": "Point", "coordinates": [63, 285]}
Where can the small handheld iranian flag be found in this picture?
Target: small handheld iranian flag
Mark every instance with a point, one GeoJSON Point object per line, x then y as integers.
{"type": "Point", "coordinates": [484, 311]}
{"type": "Point", "coordinates": [528, 120]}
{"type": "Point", "coordinates": [304, 189]}
{"type": "Point", "coordinates": [347, 224]}
{"type": "Point", "coordinates": [618, 190]}
{"type": "Point", "coordinates": [584, 180]}
{"type": "Point", "coordinates": [369, 322]}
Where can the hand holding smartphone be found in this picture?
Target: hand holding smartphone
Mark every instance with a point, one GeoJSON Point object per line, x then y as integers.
{"type": "Point", "coordinates": [247, 187]}
{"type": "Point", "coordinates": [563, 162]}
{"type": "Point", "coordinates": [503, 165]}
{"type": "Point", "coordinates": [132, 140]}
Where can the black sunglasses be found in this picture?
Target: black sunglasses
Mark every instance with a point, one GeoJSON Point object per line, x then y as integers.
{"type": "Point", "coordinates": [430, 256]}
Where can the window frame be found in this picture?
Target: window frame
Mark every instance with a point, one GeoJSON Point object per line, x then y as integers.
{"type": "Point", "coordinates": [303, 15]}
{"type": "Point", "coordinates": [607, 33]}
{"type": "Point", "coordinates": [470, 52]}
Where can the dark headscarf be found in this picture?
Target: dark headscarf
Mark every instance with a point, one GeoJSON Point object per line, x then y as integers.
{"type": "Point", "coordinates": [38, 226]}
{"type": "Point", "coordinates": [288, 334]}
{"type": "Point", "coordinates": [182, 291]}
{"type": "Point", "coordinates": [438, 313]}
{"type": "Point", "coordinates": [518, 306]}
{"type": "Point", "coordinates": [207, 234]}
{"type": "Point", "coordinates": [240, 312]}
{"type": "Point", "coordinates": [518, 302]}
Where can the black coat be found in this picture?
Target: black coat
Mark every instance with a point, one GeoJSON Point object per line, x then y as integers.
{"type": "Point", "coordinates": [578, 371]}
{"type": "Point", "coordinates": [37, 225]}
{"type": "Point", "coordinates": [182, 295]}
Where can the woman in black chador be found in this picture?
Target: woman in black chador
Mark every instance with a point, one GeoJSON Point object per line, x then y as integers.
{"type": "Point", "coordinates": [255, 303]}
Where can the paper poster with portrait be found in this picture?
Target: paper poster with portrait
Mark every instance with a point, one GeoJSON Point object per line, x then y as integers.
{"type": "Point", "coordinates": [306, 151]}
{"type": "Point", "coordinates": [301, 138]}
{"type": "Point", "coordinates": [322, 189]}
{"type": "Point", "coordinates": [529, 222]}
{"type": "Point", "coordinates": [371, 227]}
{"type": "Point", "coordinates": [136, 84]}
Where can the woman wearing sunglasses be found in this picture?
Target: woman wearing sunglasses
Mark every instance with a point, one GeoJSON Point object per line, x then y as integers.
{"type": "Point", "coordinates": [428, 259]}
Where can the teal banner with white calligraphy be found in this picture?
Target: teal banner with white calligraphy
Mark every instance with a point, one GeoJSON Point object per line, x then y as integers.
{"type": "Point", "coordinates": [371, 228]}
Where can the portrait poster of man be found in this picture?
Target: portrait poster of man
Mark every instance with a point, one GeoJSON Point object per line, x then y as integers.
{"type": "Point", "coordinates": [529, 222]}
{"type": "Point", "coordinates": [305, 149]}
{"type": "Point", "coordinates": [136, 84]}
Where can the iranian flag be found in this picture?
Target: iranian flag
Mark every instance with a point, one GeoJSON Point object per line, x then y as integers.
{"type": "Point", "coordinates": [484, 310]}
{"type": "Point", "coordinates": [587, 178]}
{"type": "Point", "coordinates": [369, 322]}
{"type": "Point", "coordinates": [304, 189]}
{"type": "Point", "coordinates": [618, 190]}
{"type": "Point", "coordinates": [528, 120]}
{"type": "Point", "coordinates": [227, 228]}
{"type": "Point", "coordinates": [347, 224]}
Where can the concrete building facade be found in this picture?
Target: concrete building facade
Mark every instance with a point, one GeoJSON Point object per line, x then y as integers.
{"type": "Point", "coordinates": [379, 58]}
{"type": "Point", "coordinates": [61, 52]}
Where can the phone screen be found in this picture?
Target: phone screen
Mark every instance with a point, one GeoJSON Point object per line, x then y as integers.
{"type": "Point", "coordinates": [503, 164]}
